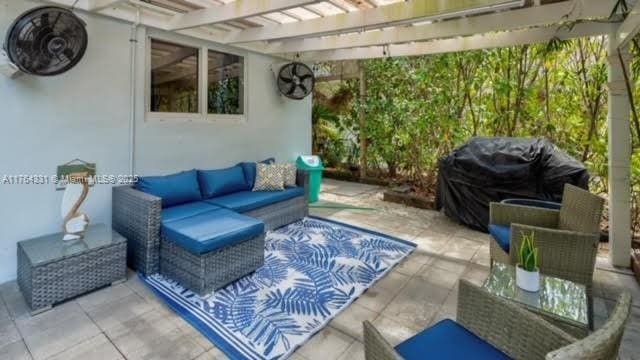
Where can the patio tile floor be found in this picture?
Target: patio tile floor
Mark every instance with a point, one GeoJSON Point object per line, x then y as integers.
{"type": "Point", "coordinates": [127, 321]}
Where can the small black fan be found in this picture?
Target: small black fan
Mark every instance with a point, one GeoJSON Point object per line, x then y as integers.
{"type": "Point", "coordinates": [296, 80]}
{"type": "Point", "coordinates": [46, 41]}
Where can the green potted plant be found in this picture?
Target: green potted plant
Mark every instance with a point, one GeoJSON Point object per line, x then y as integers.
{"type": "Point", "coordinates": [527, 272]}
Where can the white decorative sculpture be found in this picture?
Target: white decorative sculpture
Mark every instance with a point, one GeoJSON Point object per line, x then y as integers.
{"type": "Point", "coordinates": [75, 223]}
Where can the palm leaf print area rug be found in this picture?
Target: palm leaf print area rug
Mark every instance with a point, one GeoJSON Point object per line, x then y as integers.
{"type": "Point", "coordinates": [314, 269]}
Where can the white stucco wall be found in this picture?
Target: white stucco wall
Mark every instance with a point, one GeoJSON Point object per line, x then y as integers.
{"type": "Point", "coordinates": [84, 113]}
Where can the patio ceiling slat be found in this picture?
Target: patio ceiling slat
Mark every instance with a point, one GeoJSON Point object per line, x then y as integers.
{"type": "Point", "coordinates": [344, 5]}
{"type": "Point", "coordinates": [480, 24]}
{"type": "Point", "coordinates": [476, 42]}
{"type": "Point", "coordinates": [233, 11]}
{"type": "Point", "coordinates": [360, 4]}
{"type": "Point", "coordinates": [379, 17]}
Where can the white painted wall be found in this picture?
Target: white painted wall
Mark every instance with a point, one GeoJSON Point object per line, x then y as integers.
{"type": "Point", "coordinates": [84, 113]}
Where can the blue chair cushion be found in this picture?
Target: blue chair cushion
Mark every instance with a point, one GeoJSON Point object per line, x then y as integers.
{"type": "Point", "coordinates": [502, 234]}
{"type": "Point", "coordinates": [249, 169]}
{"type": "Point", "coordinates": [174, 189]}
{"type": "Point", "coordinates": [221, 182]}
{"type": "Point", "coordinates": [180, 212]}
{"type": "Point", "coordinates": [448, 340]}
{"type": "Point", "coordinates": [249, 200]}
{"type": "Point", "coordinates": [213, 230]}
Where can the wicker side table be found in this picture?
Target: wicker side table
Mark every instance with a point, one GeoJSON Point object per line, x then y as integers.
{"type": "Point", "coordinates": [51, 270]}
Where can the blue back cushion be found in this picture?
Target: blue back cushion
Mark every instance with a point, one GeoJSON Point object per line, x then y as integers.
{"type": "Point", "coordinates": [502, 234]}
{"type": "Point", "coordinates": [174, 189]}
{"type": "Point", "coordinates": [221, 182]}
{"type": "Point", "coordinates": [249, 169]}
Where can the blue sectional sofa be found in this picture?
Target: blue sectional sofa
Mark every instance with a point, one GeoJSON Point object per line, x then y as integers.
{"type": "Point", "coordinates": [176, 221]}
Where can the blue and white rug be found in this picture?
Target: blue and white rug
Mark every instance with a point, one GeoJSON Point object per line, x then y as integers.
{"type": "Point", "coordinates": [313, 270]}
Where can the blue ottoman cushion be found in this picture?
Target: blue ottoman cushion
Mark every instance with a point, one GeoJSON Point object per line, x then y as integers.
{"type": "Point", "coordinates": [174, 189]}
{"type": "Point", "coordinates": [213, 230]}
{"type": "Point", "coordinates": [502, 234]}
{"type": "Point", "coordinates": [249, 200]}
{"type": "Point", "coordinates": [180, 212]}
{"type": "Point", "coordinates": [448, 340]}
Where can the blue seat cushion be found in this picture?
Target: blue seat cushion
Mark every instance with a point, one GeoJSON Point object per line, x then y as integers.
{"type": "Point", "coordinates": [222, 181]}
{"type": "Point", "coordinates": [213, 230]}
{"type": "Point", "coordinates": [174, 189]}
{"type": "Point", "coordinates": [180, 212]}
{"type": "Point", "coordinates": [249, 200]}
{"type": "Point", "coordinates": [502, 234]}
{"type": "Point", "coordinates": [448, 340]}
{"type": "Point", "coordinates": [249, 169]}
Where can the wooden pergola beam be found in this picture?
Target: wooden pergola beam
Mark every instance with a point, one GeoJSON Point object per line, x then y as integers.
{"type": "Point", "coordinates": [516, 19]}
{"type": "Point", "coordinates": [630, 27]}
{"type": "Point", "coordinates": [233, 11]}
{"type": "Point", "coordinates": [475, 42]}
{"type": "Point", "coordinates": [399, 13]}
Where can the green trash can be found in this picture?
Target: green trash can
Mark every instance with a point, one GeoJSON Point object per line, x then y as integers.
{"type": "Point", "coordinates": [313, 164]}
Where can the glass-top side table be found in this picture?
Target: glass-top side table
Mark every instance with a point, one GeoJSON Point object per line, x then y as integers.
{"type": "Point", "coordinates": [561, 302]}
{"type": "Point", "coordinates": [51, 270]}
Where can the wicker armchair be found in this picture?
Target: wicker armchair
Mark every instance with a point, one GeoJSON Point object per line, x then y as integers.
{"type": "Point", "coordinates": [516, 332]}
{"type": "Point", "coordinates": [567, 240]}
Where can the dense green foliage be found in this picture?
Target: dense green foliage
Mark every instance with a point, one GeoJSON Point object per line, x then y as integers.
{"type": "Point", "coordinates": [418, 109]}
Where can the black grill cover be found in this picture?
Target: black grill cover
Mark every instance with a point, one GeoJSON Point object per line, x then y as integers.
{"type": "Point", "coordinates": [494, 169]}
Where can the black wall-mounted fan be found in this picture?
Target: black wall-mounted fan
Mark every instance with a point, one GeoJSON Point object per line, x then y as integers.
{"type": "Point", "coordinates": [296, 80]}
{"type": "Point", "coordinates": [46, 41]}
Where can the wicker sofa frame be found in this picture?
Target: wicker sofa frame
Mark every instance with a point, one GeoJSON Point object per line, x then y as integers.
{"type": "Point", "coordinates": [138, 217]}
{"type": "Point", "coordinates": [516, 331]}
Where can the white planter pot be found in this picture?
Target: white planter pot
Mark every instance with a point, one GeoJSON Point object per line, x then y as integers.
{"type": "Point", "coordinates": [527, 280]}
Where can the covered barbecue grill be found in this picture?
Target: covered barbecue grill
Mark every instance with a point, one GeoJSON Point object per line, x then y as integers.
{"type": "Point", "coordinates": [490, 169]}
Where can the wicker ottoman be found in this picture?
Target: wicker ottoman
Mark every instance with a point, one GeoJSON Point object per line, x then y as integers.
{"type": "Point", "coordinates": [51, 270]}
{"type": "Point", "coordinates": [208, 251]}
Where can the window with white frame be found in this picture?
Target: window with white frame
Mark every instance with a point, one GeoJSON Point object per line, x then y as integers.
{"type": "Point", "coordinates": [225, 90]}
{"type": "Point", "coordinates": [174, 78]}
{"type": "Point", "coordinates": [194, 82]}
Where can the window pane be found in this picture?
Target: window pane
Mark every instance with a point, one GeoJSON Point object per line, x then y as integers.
{"type": "Point", "coordinates": [174, 78]}
{"type": "Point", "coordinates": [226, 83]}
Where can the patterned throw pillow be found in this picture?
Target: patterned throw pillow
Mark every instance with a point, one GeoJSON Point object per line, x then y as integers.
{"type": "Point", "coordinates": [269, 178]}
{"type": "Point", "coordinates": [289, 174]}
